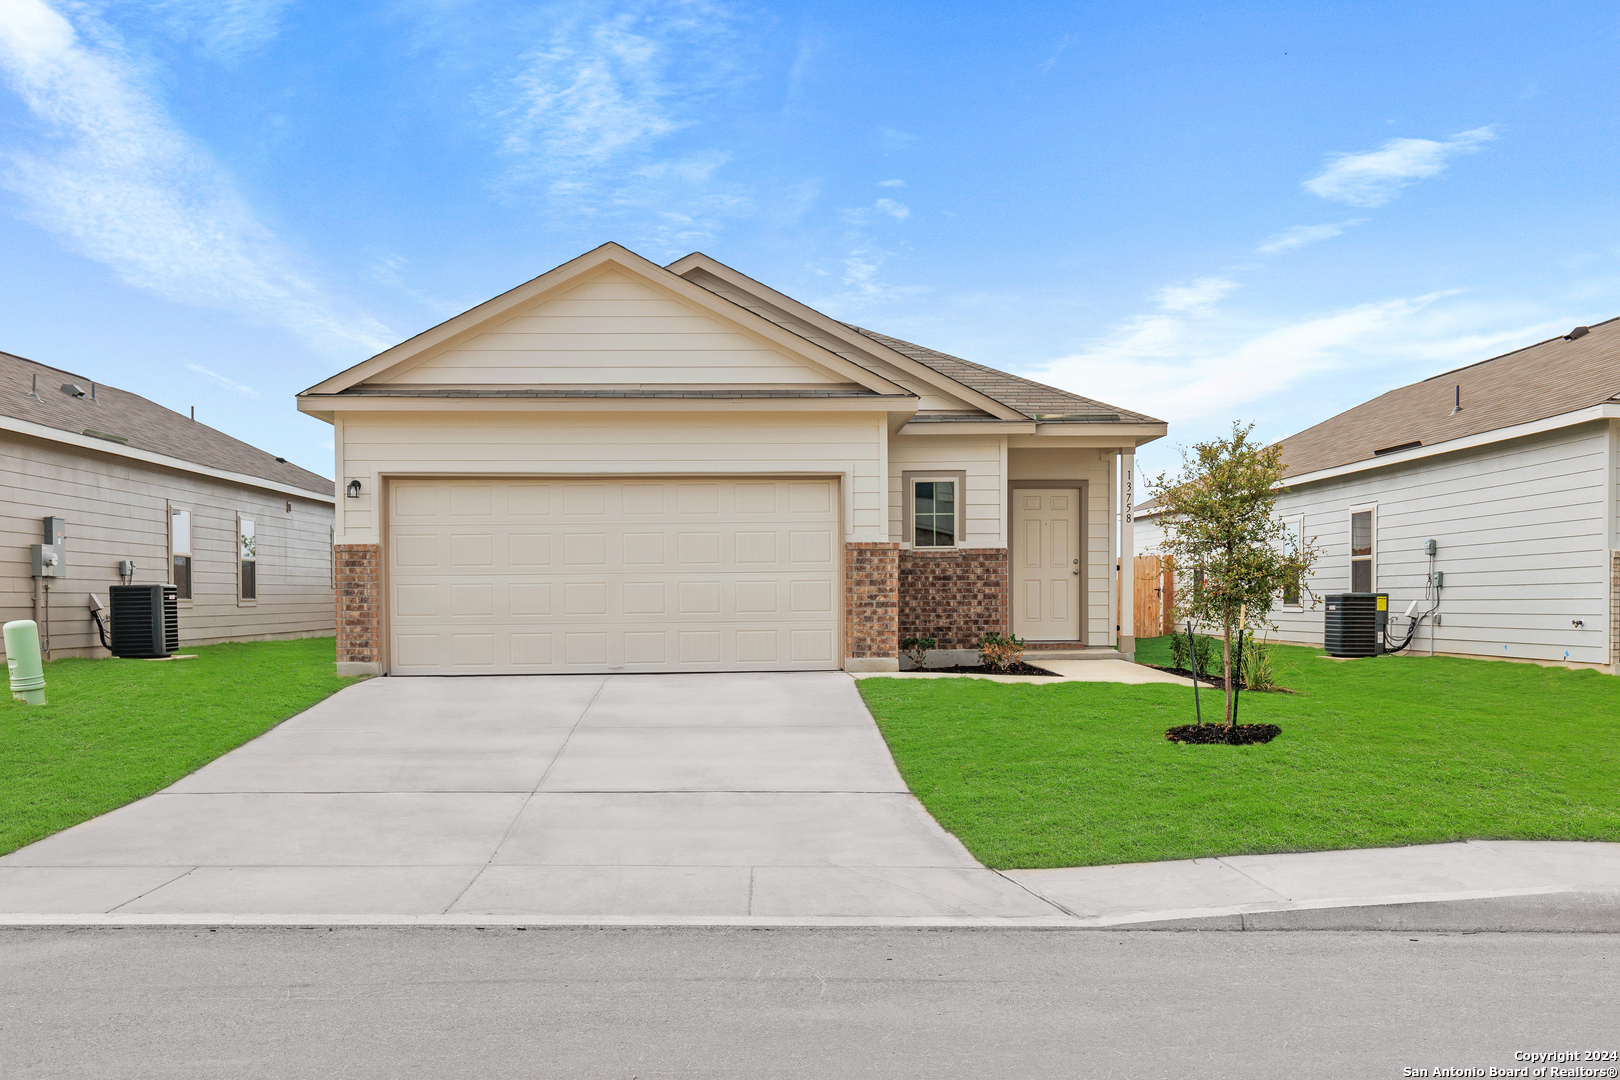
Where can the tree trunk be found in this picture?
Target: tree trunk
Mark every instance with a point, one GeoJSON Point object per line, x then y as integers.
{"type": "Point", "coordinates": [1226, 668]}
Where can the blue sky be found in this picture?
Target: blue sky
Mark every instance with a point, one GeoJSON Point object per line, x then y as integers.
{"type": "Point", "coordinates": [1266, 212]}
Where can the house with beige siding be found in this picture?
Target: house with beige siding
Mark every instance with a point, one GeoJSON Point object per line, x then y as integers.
{"type": "Point", "coordinates": [1511, 466]}
{"type": "Point", "coordinates": [621, 466]}
{"type": "Point", "coordinates": [244, 535]}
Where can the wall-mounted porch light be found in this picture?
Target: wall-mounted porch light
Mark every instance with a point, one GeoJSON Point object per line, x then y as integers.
{"type": "Point", "coordinates": [354, 489]}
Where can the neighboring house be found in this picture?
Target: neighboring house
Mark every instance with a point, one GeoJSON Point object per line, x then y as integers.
{"type": "Point", "coordinates": [619, 466]}
{"type": "Point", "coordinates": [245, 535]}
{"type": "Point", "coordinates": [1511, 466]}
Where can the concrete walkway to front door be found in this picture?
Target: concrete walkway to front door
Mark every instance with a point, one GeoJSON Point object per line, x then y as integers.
{"type": "Point", "coordinates": [751, 797]}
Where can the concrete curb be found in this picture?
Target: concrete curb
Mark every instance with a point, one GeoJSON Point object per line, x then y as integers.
{"type": "Point", "coordinates": [1567, 912]}
{"type": "Point", "coordinates": [1556, 913]}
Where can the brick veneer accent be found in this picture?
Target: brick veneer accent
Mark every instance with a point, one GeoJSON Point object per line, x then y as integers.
{"type": "Point", "coordinates": [1614, 611]}
{"type": "Point", "coordinates": [871, 600]}
{"type": "Point", "coordinates": [953, 596]}
{"type": "Point", "coordinates": [359, 603]}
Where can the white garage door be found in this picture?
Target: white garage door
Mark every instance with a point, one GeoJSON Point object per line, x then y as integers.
{"type": "Point", "coordinates": [519, 576]}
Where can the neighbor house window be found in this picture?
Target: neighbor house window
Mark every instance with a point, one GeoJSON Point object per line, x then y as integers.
{"type": "Point", "coordinates": [180, 551]}
{"type": "Point", "coordinates": [1361, 551]}
{"type": "Point", "coordinates": [1293, 536]}
{"type": "Point", "coordinates": [248, 558]}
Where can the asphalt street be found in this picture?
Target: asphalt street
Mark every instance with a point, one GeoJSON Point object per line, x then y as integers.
{"type": "Point", "coordinates": [706, 1002]}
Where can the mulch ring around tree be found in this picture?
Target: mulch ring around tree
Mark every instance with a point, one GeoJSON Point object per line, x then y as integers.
{"type": "Point", "coordinates": [1217, 682]}
{"type": "Point", "coordinates": [1017, 668]}
{"type": "Point", "coordinates": [1240, 735]}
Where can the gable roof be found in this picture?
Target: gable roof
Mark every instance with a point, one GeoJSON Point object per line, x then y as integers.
{"type": "Point", "coordinates": [804, 320]}
{"type": "Point", "coordinates": [471, 322]}
{"type": "Point", "coordinates": [1551, 378]}
{"type": "Point", "coordinates": [118, 418]}
{"type": "Point", "coordinates": [862, 363]}
{"type": "Point", "coordinates": [1037, 401]}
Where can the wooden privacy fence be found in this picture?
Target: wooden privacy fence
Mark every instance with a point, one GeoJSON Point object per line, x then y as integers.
{"type": "Point", "coordinates": [1154, 598]}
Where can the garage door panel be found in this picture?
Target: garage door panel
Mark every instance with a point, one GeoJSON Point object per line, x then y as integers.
{"type": "Point", "coordinates": [502, 549]}
{"type": "Point", "coordinates": [528, 500]}
{"type": "Point", "coordinates": [526, 549]}
{"type": "Point", "coordinates": [618, 576]}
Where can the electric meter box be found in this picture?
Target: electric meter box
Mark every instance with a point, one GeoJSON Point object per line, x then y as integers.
{"type": "Point", "coordinates": [48, 560]}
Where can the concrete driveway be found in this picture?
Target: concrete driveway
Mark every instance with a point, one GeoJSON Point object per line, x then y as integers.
{"type": "Point", "coordinates": [623, 797]}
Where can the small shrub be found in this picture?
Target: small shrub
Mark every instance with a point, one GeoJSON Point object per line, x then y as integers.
{"type": "Point", "coordinates": [1257, 673]}
{"type": "Point", "coordinates": [1204, 649]}
{"type": "Point", "coordinates": [1000, 652]}
{"type": "Point", "coordinates": [917, 649]}
{"type": "Point", "coordinates": [1180, 652]}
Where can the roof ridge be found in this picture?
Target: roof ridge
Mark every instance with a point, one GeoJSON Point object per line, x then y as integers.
{"type": "Point", "coordinates": [1559, 376]}
{"type": "Point", "coordinates": [148, 426]}
{"type": "Point", "coordinates": [53, 367]}
{"type": "Point", "coordinates": [1510, 352]}
{"type": "Point", "coordinates": [1030, 411]}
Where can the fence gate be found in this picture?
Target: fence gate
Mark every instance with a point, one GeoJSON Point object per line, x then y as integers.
{"type": "Point", "coordinates": [1154, 596]}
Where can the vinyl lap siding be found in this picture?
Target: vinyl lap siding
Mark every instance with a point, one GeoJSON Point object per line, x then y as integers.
{"type": "Point", "coordinates": [611, 330]}
{"type": "Point", "coordinates": [850, 446]}
{"type": "Point", "coordinates": [119, 510]}
{"type": "Point", "coordinates": [979, 458]}
{"type": "Point", "coordinates": [1523, 543]}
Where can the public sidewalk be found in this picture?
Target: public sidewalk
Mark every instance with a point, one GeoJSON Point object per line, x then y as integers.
{"type": "Point", "coordinates": [1464, 887]}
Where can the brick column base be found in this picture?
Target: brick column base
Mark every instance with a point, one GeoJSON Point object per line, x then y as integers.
{"type": "Point", "coordinates": [954, 596]}
{"type": "Point", "coordinates": [1614, 613]}
{"type": "Point", "coordinates": [871, 607]}
{"type": "Point", "coordinates": [359, 609]}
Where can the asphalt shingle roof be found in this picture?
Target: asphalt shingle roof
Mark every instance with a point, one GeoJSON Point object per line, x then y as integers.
{"type": "Point", "coordinates": [1035, 400]}
{"type": "Point", "coordinates": [1546, 379]}
{"type": "Point", "coordinates": [137, 422]}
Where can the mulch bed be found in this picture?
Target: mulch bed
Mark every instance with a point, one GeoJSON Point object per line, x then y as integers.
{"type": "Point", "coordinates": [1020, 668]}
{"type": "Point", "coordinates": [1240, 735]}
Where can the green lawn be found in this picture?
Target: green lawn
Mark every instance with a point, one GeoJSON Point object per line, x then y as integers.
{"type": "Point", "coordinates": [117, 730]}
{"type": "Point", "coordinates": [1389, 751]}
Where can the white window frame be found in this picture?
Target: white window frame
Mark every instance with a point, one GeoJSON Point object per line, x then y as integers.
{"type": "Point", "coordinates": [1372, 551]}
{"type": "Point", "coordinates": [242, 601]}
{"type": "Point", "coordinates": [908, 500]}
{"type": "Point", "coordinates": [191, 549]}
{"type": "Point", "coordinates": [1298, 522]}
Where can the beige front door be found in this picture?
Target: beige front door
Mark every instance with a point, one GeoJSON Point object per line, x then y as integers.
{"type": "Point", "coordinates": [515, 576]}
{"type": "Point", "coordinates": [1046, 564]}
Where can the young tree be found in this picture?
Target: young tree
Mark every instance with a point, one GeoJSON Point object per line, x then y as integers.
{"type": "Point", "coordinates": [1219, 524]}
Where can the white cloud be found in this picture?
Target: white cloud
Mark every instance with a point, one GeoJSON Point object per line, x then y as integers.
{"type": "Point", "coordinates": [610, 83]}
{"type": "Point", "coordinates": [891, 183]}
{"type": "Point", "coordinates": [1300, 235]}
{"type": "Point", "coordinates": [590, 115]}
{"type": "Point", "coordinates": [110, 173]}
{"type": "Point", "coordinates": [590, 98]}
{"type": "Point", "coordinates": [897, 210]}
{"type": "Point", "coordinates": [862, 216]}
{"type": "Point", "coordinates": [233, 387]}
{"type": "Point", "coordinates": [1046, 65]}
{"type": "Point", "coordinates": [1198, 298]}
{"type": "Point", "coordinates": [1183, 372]}
{"type": "Point", "coordinates": [1375, 177]}
{"type": "Point", "coordinates": [225, 29]}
